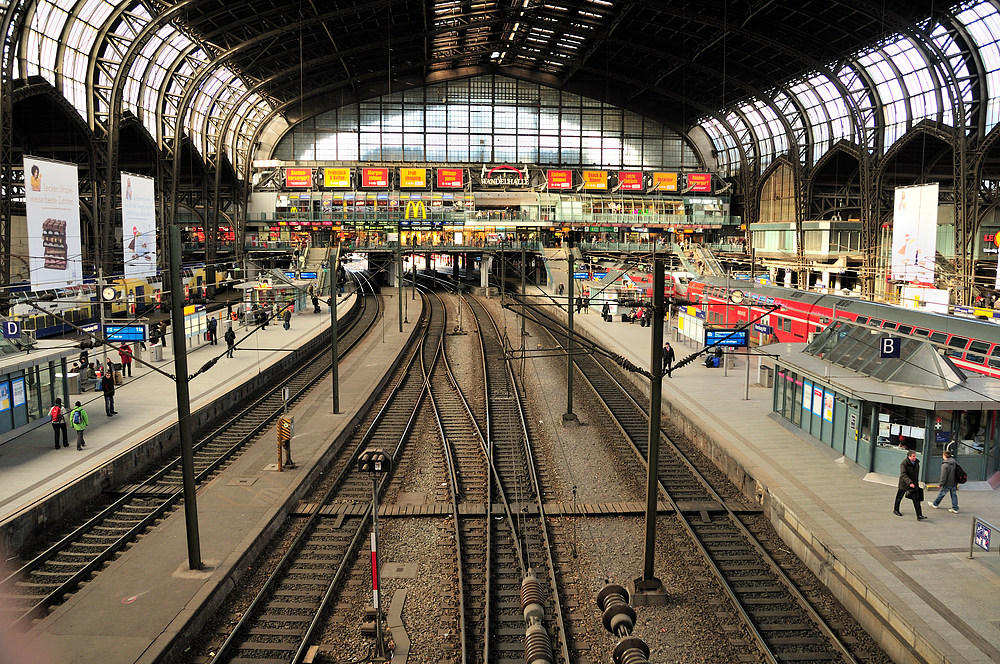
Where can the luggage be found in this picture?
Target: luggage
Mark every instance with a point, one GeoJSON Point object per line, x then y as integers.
{"type": "Point", "coordinates": [624, 318]}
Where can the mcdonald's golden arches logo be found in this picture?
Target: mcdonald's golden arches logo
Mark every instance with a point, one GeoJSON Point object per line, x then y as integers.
{"type": "Point", "coordinates": [417, 209]}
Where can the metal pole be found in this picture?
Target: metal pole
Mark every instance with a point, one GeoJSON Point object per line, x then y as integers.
{"type": "Point", "coordinates": [523, 294]}
{"type": "Point", "coordinates": [101, 334]}
{"type": "Point", "coordinates": [399, 271]}
{"type": "Point", "coordinates": [569, 416]}
{"type": "Point", "coordinates": [380, 653]}
{"type": "Point", "coordinates": [334, 351]}
{"type": "Point", "coordinates": [655, 370]}
{"type": "Point", "coordinates": [183, 399]}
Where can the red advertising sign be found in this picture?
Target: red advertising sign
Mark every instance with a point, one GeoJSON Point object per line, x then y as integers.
{"type": "Point", "coordinates": [298, 178]}
{"type": "Point", "coordinates": [699, 182]}
{"type": "Point", "coordinates": [374, 177]}
{"type": "Point", "coordinates": [450, 178]}
{"type": "Point", "coordinates": [560, 179]}
{"type": "Point", "coordinates": [630, 180]}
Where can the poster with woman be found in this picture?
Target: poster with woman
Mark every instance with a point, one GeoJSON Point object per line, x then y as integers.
{"type": "Point", "coordinates": [138, 226]}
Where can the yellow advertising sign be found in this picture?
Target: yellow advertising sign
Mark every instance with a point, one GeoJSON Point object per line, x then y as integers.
{"type": "Point", "coordinates": [413, 178]}
{"type": "Point", "coordinates": [417, 209]}
{"type": "Point", "coordinates": [664, 181]}
{"type": "Point", "coordinates": [336, 177]}
{"type": "Point", "coordinates": [595, 179]}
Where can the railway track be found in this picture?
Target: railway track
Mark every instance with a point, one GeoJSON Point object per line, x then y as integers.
{"type": "Point", "coordinates": [780, 619]}
{"type": "Point", "coordinates": [99, 536]}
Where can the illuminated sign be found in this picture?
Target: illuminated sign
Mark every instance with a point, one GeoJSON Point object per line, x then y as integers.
{"type": "Point", "coordinates": [415, 210]}
{"type": "Point", "coordinates": [374, 177]}
{"type": "Point", "coordinates": [664, 181]}
{"type": "Point", "coordinates": [337, 177]}
{"type": "Point", "coordinates": [559, 179]}
{"type": "Point", "coordinates": [300, 178]}
{"type": "Point", "coordinates": [450, 178]}
{"type": "Point", "coordinates": [725, 337]}
{"type": "Point", "coordinates": [504, 176]}
{"type": "Point", "coordinates": [699, 182]}
{"type": "Point", "coordinates": [595, 179]}
{"type": "Point", "coordinates": [412, 178]}
{"type": "Point", "coordinates": [125, 332]}
{"type": "Point", "coordinates": [630, 180]}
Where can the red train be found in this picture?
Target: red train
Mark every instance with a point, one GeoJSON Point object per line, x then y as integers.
{"type": "Point", "coordinates": [973, 345]}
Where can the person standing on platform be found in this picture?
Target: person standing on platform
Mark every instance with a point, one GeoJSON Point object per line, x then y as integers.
{"type": "Point", "coordinates": [315, 301]}
{"type": "Point", "coordinates": [948, 482]}
{"type": "Point", "coordinates": [78, 419]}
{"type": "Point", "coordinates": [579, 303]}
{"type": "Point", "coordinates": [58, 416]}
{"type": "Point", "coordinates": [125, 353]}
{"type": "Point", "coordinates": [286, 317]}
{"type": "Point", "coordinates": [606, 311]}
{"type": "Point", "coordinates": [213, 326]}
{"type": "Point", "coordinates": [668, 359]}
{"type": "Point", "coordinates": [230, 341]}
{"type": "Point", "coordinates": [909, 480]}
{"type": "Point", "coordinates": [108, 387]}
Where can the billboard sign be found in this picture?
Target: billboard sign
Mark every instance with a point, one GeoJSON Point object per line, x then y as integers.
{"type": "Point", "coordinates": [298, 178]}
{"type": "Point", "coordinates": [595, 180]}
{"type": "Point", "coordinates": [412, 178]}
{"type": "Point", "coordinates": [138, 226]}
{"type": "Point", "coordinates": [914, 233]}
{"type": "Point", "coordinates": [450, 178]}
{"type": "Point", "coordinates": [630, 180]}
{"type": "Point", "coordinates": [701, 182]}
{"type": "Point", "coordinates": [52, 202]}
{"type": "Point", "coordinates": [559, 179]}
{"type": "Point", "coordinates": [664, 181]}
{"type": "Point", "coordinates": [504, 175]}
{"type": "Point", "coordinates": [726, 337]}
{"type": "Point", "coordinates": [374, 178]}
{"type": "Point", "coordinates": [337, 178]}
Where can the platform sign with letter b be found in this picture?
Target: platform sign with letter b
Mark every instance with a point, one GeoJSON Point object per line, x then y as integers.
{"type": "Point", "coordinates": [11, 329]}
{"type": "Point", "coordinates": [889, 346]}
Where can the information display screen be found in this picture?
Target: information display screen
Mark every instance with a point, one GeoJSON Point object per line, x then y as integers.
{"type": "Point", "coordinates": [125, 332]}
{"type": "Point", "coordinates": [726, 337]}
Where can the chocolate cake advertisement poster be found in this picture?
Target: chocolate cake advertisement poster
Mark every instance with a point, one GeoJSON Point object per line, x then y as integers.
{"type": "Point", "coordinates": [52, 199]}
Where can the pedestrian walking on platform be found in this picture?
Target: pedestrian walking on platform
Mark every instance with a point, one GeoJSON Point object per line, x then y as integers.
{"type": "Point", "coordinates": [286, 317]}
{"type": "Point", "coordinates": [125, 353]}
{"type": "Point", "coordinates": [230, 342]}
{"type": "Point", "coordinates": [909, 482]}
{"type": "Point", "coordinates": [108, 387]}
{"type": "Point", "coordinates": [58, 416]}
{"type": "Point", "coordinates": [213, 326]}
{"type": "Point", "coordinates": [668, 359]}
{"type": "Point", "coordinates": [78, 420]}
{"type": "Point", "coordinates": [948, 482]}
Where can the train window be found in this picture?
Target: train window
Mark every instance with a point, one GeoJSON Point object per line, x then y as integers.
{"type": "Point", "coordinates": [922, 333]}
{"type": "Point", "coordinates": [787, 324]}
{"type": "Point", "coordinates": [938, 337]}
{"type": "Point", "coordinates": [875, 322]}
{"type": "Point", "coordinates": [977, 351]}
{"type": "Point", "coordinates": [862, 320]}
{"type": "Point", "coordinates": [905, 329]}
{"type": "Point", "coordinates": [956, 347]}
{"type": "Point", "coordinates": [889, 326]}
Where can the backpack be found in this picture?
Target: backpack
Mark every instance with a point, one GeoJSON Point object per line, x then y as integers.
{"type": "Point", "coordinates": [77, 418]}
{"type": "Point", "coordinates": [961, 477]}
{"type": "Point", "coordinates": [57, 415]}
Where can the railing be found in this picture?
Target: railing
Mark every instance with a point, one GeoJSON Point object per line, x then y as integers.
{"type": "Point", "coordinates": [531, 215]}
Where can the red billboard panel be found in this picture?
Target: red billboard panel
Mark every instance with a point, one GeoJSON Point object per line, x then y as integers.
{"type": "Point", "coordinates": [560, 179]}
{"type": "Point", "coordinates": [298, 178]}
{"type": "Point", "coordinates": [450, 178]}
{"type": "Point", "coordinates": [374, 178]}
{"type": "Point", "coordinates": [699, 182]}
{"type": "Point", "coordinates": [630, 181]}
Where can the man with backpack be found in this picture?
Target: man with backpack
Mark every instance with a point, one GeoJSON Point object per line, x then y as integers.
{"type": "Point", "coordinates": [950, 479]}
{"type": "Point", "coordinates": [58, 418]}
{"type": "Point", "coordinates": [78, 419]}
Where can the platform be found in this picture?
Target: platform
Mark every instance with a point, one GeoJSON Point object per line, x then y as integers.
{"type": "Point", "coordinates": [915, 575]}
{"type": "Point", "coordinates": [133, 613]}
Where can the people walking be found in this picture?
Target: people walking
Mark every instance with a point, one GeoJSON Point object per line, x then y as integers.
{"type": "Point", "coordinates": [58, 416]}
{"type": "Point", "coordinates": [108, 387]}
{"type": "Point", "coordinates": [948, 482]}
{"type": "Point", "coordinates": [78, 420]}
{"type": "Point", "coordinates": [125, 353]}
{"type": "Point", "coordinates": [286, 317]}
{"type": "Point", "coordinates": [230, 342]}
{"type": "Point", "coordinates": [606, 311]}
{"type": "Point", "coordinates": [668, 359]}
{"type": "Point", "coordinates": [909, 482]}
{"type": "Point", "coordinates": [213, 326]}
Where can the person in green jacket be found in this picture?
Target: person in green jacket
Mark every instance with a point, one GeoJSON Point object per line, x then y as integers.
{"type": "Point", "coordinates": [78, 420]}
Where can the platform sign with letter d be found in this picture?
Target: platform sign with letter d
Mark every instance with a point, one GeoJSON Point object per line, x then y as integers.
{"type": "Point", "coordinates": [11, 329]}
{"type": "Point", "coordinates": [889, 346]}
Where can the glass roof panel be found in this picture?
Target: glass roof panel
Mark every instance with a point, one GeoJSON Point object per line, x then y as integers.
{"type": "Point", "coordinates": [982, 22]}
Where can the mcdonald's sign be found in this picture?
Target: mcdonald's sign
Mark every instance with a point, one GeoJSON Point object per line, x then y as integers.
{"type": "Point", "coordinates": [417, 209]}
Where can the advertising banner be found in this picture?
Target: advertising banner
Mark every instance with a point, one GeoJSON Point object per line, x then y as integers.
{"type": "Point", "coordinates": [504, 175]}
{"type": "Point", "coordinates": [52, 199]}
{"type": "Point", "coordinates": [630, 180]}
{"type": "Point", "coordinates": [337, 178]}
{"type": "Point", "coordinates": [372, 178]}
{"type": "Point", "coordinates": [664, 181]}
{"type": "Point", "coordinates": [298, 178]}
{"type": "Point", "coordinates": [413, 178]}
{"type": "Point", "coordinates": [559, 179]}
{"type": "Point", "coordinates": [450, 178]}
{"type": "Point", "coordinates": [828, 406]}
{"type": "Point", "coordinates": [595, 180]}
{"type": "Point", "coordinates": [701, 182]}
{"type": "Point", "coordinates": [914, 233]}
{"type": "Point", "coordinates": [138, 226]}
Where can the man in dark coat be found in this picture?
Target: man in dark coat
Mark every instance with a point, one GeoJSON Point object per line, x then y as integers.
{"type": "Point", "coordinates": [213, 326]}
{"type": "Point", "coordinates": [909, 478]}
{"type": "Point", "coordinates": [108, 387]}
{"type": "Point", "coordinates": [668, 359]}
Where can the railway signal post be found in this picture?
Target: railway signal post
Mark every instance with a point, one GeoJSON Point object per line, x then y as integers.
{"type": "Point", "coordinates": [376, 462]}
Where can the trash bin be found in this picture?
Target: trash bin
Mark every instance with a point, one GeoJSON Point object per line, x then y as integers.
{"type": "Point", "coordinates": [156, 352]}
